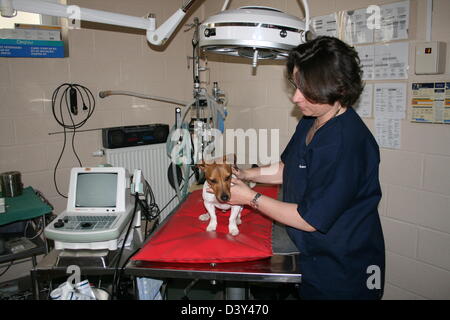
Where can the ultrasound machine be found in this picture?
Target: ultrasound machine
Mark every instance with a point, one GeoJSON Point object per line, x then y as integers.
{"type": "Point", "coordinates": [99, 210]}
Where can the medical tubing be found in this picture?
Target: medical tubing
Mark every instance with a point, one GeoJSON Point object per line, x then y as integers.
{"type": "Point", "coordinates": [175, 181]}
{"type": "Point", "coordinates": [106, 93]}
{"type": "Point", "coordinates": [214, 109]}
{"type": "Point", "coordinates": [169, 147]}
{"type": "Point", "coordinates": [185, 137]}
{"type": "Point", "coordinates": [186, 177]}
{"type": "Point", "coordinates": [185, 149]}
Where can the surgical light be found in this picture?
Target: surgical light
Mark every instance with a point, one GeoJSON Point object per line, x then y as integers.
{"type": "Point", "coordinates": [254, 32]}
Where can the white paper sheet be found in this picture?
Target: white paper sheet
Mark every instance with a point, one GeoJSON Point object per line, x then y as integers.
{"type": "Point", "coordinates": [390, 100]}
{"type": "Point", "coordinates": [325, 25]}
{"type": "Point", "coordinates": [391, 61]}
{"type": "Point", "coordinates": [356, 28]}
{"type": "Point", "coordinates": [394, 22]}
{"type": "Point", "coordinates": [367, 58]}
{"type": "Point", "coordinates": [364, 105]}
{"type": "Point", "coordinates": [388, 132]}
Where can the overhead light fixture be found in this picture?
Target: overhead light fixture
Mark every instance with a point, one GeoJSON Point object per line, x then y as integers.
{"type": "Point", "coordinates": [254, 32]}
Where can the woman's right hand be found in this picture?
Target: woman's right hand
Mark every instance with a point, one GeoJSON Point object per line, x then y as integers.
{"type": "Point", "coordinates": [240, 174]}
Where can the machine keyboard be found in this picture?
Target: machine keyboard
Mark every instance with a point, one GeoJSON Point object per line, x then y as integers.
{"type": "Point", "coordinates": [85, 223]}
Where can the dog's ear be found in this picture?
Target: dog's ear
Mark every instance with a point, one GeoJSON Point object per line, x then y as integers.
{"type": "Point", "coordinates": [225, 159]}
{"type": "Point", "coordinates": [230, 159]}
{"type": "Point", "coordinates": [201, 165]}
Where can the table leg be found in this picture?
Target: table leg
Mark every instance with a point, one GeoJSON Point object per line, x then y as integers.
{"type": "Point", "coordinates": [34, 285]}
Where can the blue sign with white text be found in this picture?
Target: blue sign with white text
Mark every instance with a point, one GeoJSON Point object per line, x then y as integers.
{"type": "Point", "coordinates": [31, 48]}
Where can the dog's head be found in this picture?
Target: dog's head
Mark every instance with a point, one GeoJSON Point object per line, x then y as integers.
{"type": "Point", "coordinates": [218, 175]}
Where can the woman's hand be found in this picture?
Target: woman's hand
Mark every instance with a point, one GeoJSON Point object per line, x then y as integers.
{"type": "Point", "coordinates": [240, 174]}
{"type": "Point", "coordinates": [241, 194]}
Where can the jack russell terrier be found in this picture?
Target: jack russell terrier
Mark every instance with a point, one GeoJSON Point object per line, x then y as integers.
{"type": "Point", "coordinates": [218, 178]}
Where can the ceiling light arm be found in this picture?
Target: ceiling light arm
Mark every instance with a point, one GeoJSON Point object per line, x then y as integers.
{"type": "Point", "coordinates": [159, 36]}
{"type": "Point", "coordinates": [306, 35]}
{"type": "Point", "coordinates": [225, 5]}
{"type": "Point", "coordinates": [155, 36]}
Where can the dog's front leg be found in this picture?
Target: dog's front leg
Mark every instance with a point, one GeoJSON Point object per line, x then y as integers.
{"type": "Point", "coordinates": [213, 218]}
{"type": "Point", "coordinates": [234, 216]}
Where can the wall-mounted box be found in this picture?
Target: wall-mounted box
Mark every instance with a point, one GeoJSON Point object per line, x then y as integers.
{"type": "Point", "coordinates": [430, 57]}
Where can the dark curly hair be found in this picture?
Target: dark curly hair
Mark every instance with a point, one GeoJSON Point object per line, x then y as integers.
{"type": "Point", "coordinates": [328, 71]}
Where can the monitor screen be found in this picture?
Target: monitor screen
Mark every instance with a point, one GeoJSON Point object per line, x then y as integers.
{"type": "Point", "coordinates": [96, 190]}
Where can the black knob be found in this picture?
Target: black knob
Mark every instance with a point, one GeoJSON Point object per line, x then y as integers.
{"type": "Point", "coordinates": [210, 32]}
{"type": "Point", "coordinates": [86, 225]}
{"type": "Point", "coordinates": [59, 224]}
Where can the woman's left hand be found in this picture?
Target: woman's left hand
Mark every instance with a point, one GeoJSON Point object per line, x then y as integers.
{"type": "Point", "coordinates": [241, 193]}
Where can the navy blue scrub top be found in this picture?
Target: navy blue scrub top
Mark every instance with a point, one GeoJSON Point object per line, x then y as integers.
{"type": "Point", "coordinates": [334, 180]}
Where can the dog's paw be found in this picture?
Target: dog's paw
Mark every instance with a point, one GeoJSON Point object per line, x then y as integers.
{"type": "Point", "coordinates": [211, 227]}
{"type": "Point", "coordinates": [234, 231]}
{"type": "Point", "coordinates": [204, 217]}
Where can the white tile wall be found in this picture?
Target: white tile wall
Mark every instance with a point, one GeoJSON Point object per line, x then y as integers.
{"type": "Point", "coordinates": [417, 277]}
{"type": "Point", "coordinates": [437, 174]}
{"type": "Point", "coordinates": [395, 293]}
{"type": "Point", "coordinates": [400, 237]}
{"type": "Point", "coordinates": [434, 248]}
{"type": "Point", "coordinates": [401, 168]}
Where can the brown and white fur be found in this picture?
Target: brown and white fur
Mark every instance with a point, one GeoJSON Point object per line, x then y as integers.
{"type": "Point", "coordinates": [218, 178]}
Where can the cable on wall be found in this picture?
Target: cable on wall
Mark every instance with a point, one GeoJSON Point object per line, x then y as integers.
{"type": "Point", "coordinates": [65, 111]}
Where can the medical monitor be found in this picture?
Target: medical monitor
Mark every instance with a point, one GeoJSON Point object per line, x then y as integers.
{"type": "Point", "coordinates": [97, 190]}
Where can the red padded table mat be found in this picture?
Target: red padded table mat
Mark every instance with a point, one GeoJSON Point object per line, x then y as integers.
{"type": "Point", "coordinates": [184, 239]}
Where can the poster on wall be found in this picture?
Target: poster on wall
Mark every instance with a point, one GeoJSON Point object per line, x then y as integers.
{"type": "Point", "coordinates": [388, 132]}
{"type": "Point", "coordinates": [390, 107]}
{"type": "Point", "coordinates": [356, 27]}
{"type": "Point", "coordinates": [430, 102]}
{"type": "Point", "coordinates": [394, 22]}
{"type": "Point", "coordinates": [390, 100]}
{"type": "Point", "coordinates": [367, 62]}
{"type": "Point", "coordinates": [384, 61]}
{"type": "Point", "coordinates": [325, 25]}
{"type": "Point", "coordinates": [364, 104]}
{"type": "Point", "coordinates": [391, 61]}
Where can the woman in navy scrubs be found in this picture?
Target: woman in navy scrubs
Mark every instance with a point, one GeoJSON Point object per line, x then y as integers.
{"type": "Point", "coordinates": [329, 174]}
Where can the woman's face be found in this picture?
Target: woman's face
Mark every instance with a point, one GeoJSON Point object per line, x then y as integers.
{"type": "Point", "coordinates": [306, 107]}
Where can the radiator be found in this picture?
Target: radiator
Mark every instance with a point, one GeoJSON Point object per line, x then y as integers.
{"type": "Point", "coordinates": [154, 163]}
